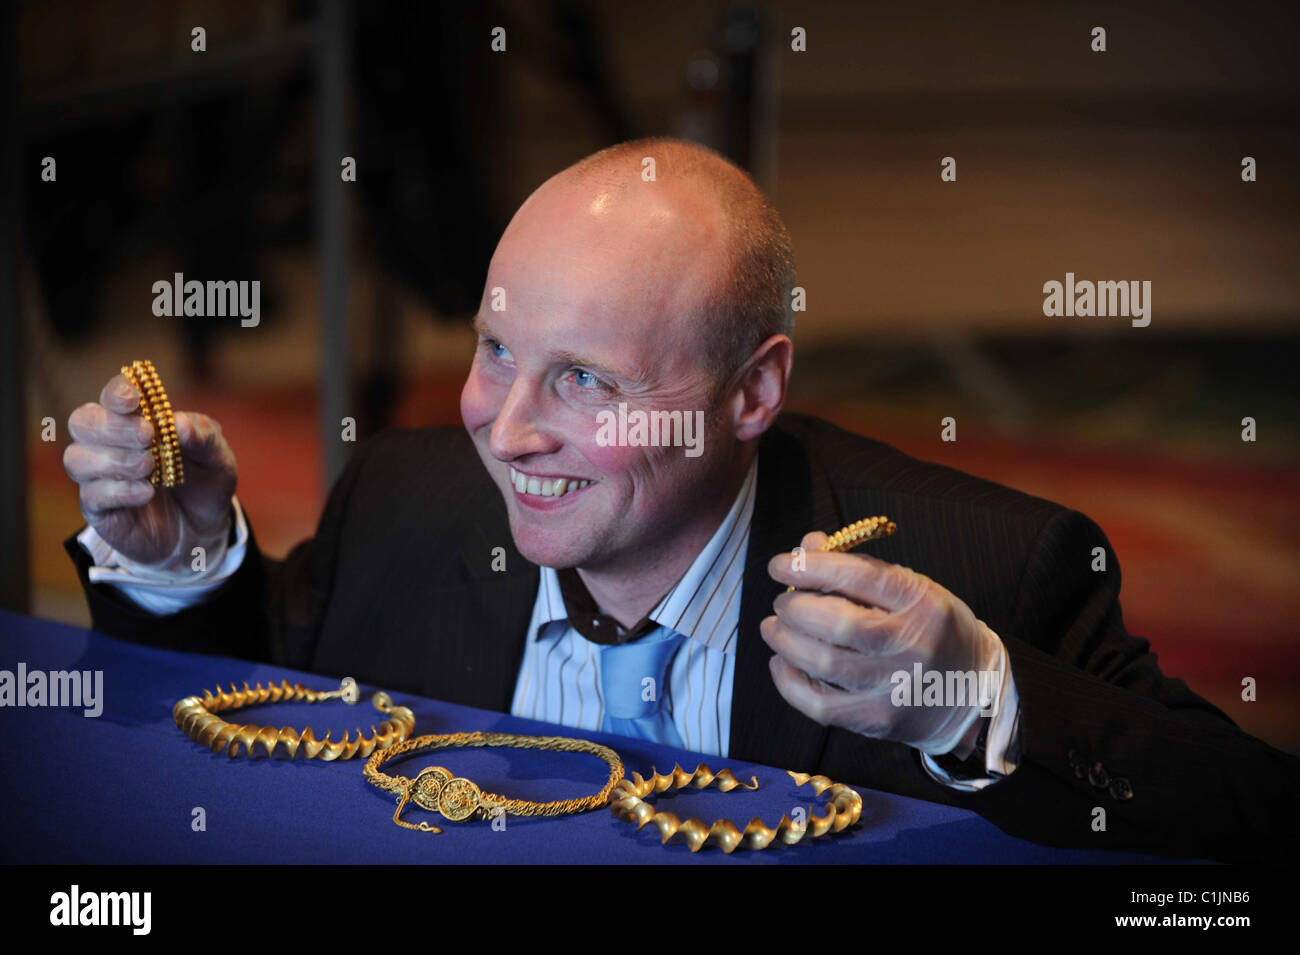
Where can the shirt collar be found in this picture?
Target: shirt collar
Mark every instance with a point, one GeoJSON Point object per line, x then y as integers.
{"type": "Point", "coordinates": [703, 605]}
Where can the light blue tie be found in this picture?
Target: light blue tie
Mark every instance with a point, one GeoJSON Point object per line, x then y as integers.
{"type": "Point", "coordinates": [623, 673]}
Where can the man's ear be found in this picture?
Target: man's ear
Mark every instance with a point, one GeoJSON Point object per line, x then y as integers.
{"type": "Point", "coordinates": [759, 386]}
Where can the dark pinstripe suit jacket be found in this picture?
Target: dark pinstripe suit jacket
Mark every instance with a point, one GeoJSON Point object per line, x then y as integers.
{"type": "Point", "coordinates": [363, 598]}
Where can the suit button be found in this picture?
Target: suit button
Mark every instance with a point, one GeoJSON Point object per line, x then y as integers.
{"type": "Point", "coordinates": [1098, 776]}
{"type": "Point", "coordinates": [1121, 788]}
{"type": "Point", "coordinates": [1076, 764]}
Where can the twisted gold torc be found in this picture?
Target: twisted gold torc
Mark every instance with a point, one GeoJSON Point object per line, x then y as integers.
{"type": "Point", "coordinates": [197, 717]}
{"type": "Point", "coordinates": [168, 466]}
{"type": "Point", "coordinates": [859, 532]}
{"type": "Point", "coordinates": [457, 799]}
{"type": "Point", "coordinates": [628, 803]}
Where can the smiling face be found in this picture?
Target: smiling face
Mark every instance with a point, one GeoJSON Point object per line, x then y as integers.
{"type": "Point", "coordinates": [601, 289]}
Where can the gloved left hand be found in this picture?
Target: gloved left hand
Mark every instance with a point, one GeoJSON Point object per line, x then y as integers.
{"type": "Point", "coordinates": [857, 624]}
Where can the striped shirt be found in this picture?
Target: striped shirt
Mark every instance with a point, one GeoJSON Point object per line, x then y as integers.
{"type": "Point", "coordinates": [559, 679]}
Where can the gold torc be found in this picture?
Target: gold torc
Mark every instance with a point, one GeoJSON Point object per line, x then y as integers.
{"type": "Point", "coordinates": [628, 803]}
{"type": "Point", "coordinates": [168, 466]}
{"type": "Point", "coordinates": [197, 717]}
{"type": "Point", "coordinates": [457, 799]}
{"type": "Point", "coordinates": [859, 532]}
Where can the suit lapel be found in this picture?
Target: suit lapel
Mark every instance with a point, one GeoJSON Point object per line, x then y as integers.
{"type": "Point", "coordinates": [493, 610]}
{"type": "Point", "coordinates": [793, 498]}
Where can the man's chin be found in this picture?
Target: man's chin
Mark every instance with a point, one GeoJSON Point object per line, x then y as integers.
{"type": "Point", "coordinates": [545, 549]}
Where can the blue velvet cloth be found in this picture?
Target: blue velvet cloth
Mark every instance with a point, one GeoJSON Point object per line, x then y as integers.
{"type": "Point", "coordinates": [121, 788]}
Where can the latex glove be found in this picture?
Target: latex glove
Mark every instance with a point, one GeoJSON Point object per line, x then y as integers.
{"type": "Point", "coordinates": [155, 528]}
{"type": "Point", "coordinates": [878, 619]}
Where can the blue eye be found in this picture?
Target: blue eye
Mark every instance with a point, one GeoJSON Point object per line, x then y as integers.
{"type": "Point", "coordinates": [585, 379]}
{"type": "Point", "coordinates": [496, 348]}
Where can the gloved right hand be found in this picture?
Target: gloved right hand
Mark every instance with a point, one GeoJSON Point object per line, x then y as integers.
{"type": "Point", "coordinates": [157, 527]}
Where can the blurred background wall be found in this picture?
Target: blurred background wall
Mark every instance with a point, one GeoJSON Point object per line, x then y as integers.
{"type": "Point", "coordinates": [924, 297]}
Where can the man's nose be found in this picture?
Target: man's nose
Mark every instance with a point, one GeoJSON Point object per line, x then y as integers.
{"type": "Point", "coordinates": [519, 427]}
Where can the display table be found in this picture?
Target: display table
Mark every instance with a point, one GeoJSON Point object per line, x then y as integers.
{"type": "Point", "coordinates": [124, 787]}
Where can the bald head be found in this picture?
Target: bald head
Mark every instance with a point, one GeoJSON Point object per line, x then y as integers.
{"type": "Point", "coordinates": [614, 293]}
{"type": "Point", "coordinates": [704, 219]}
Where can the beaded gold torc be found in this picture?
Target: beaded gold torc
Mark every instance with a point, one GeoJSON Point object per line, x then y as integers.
{"type": "Point", "coordinates": [457, 799]}
{"type": "Point", "coordinates": [168, 466]}
{"type": "Point", "coordinates": [197, 717]}
{"type": "Point", "coordinates": [859, 532]}
{"type": "Point", "coordinates": [628, 803]}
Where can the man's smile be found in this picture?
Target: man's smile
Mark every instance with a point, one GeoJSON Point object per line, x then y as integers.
{"type": "Point", "coordinates": [532, 488]}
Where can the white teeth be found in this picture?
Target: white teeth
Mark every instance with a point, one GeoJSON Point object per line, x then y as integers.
{"type": "Point", "coordinates": [551, 487]}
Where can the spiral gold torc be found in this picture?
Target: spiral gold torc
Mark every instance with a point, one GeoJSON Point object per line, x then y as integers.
{"type": "Point", "coordinates": [197, 717]}
{"type": "Point", "coordinates": [457, 799]}
{"type": "Point", "coordinates": [628, 803]}
{"type": "Point", "coordinates": [859, 532]}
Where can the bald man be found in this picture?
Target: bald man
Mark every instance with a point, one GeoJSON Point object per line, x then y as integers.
{"type": "Point", "coordinates": [632, 577]}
